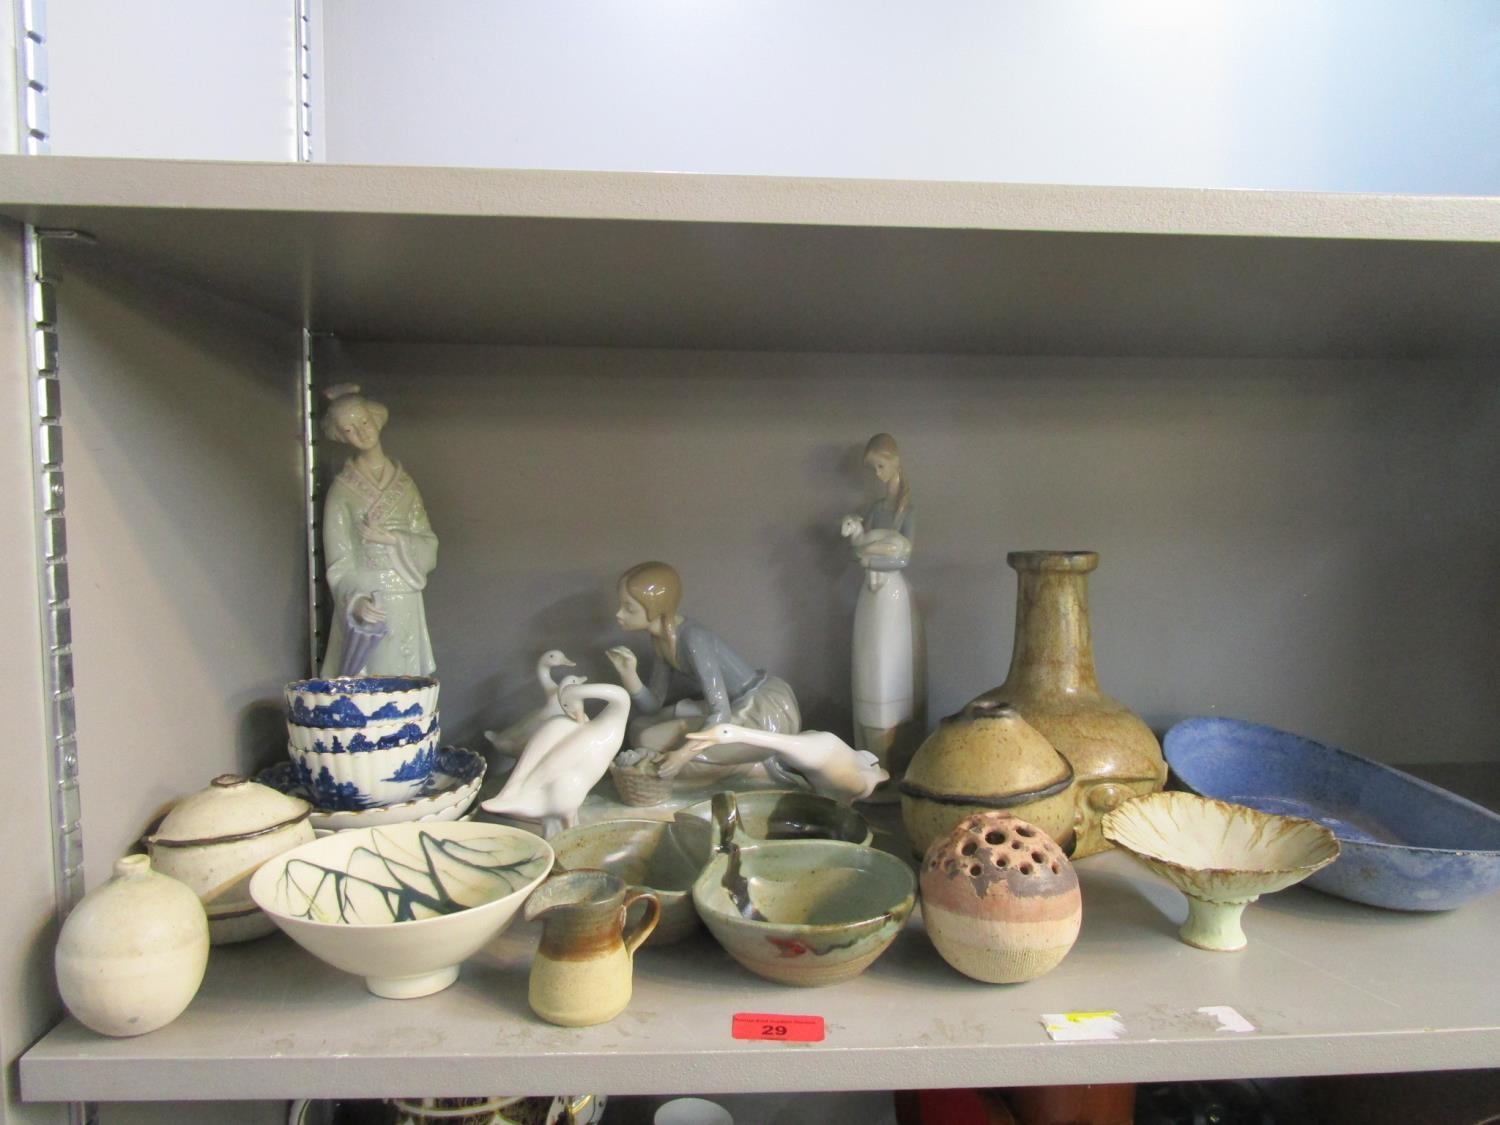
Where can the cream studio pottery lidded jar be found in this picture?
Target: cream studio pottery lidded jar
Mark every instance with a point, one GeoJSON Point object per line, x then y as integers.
{"type": "Point", "coordinates": [131, 955]}
{"type": "Point", "coordinates": [215, 839]}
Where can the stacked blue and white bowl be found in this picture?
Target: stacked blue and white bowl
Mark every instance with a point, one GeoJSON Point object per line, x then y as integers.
{"type": "Point", "coordinates": [363, 742]}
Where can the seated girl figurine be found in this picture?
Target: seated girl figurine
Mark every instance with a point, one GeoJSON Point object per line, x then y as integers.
{"type": "Point", "coordinates": [729, 689]}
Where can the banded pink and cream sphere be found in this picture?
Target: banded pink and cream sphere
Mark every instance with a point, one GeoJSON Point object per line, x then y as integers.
{"type": "Point", "coordinates": [1000, 899]}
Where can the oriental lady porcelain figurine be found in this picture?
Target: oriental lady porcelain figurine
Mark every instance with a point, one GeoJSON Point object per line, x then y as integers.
{"type": "Point", "coordinates": [727, 688]}
{"type": "Point", "coordinates": [888, 682]}
{"type": "Point", "coordinates": [378, 548]}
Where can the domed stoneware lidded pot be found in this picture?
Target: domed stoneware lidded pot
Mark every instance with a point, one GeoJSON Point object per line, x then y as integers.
{"type": "Point", "coordinates": [1053, 685]}
{"type": "Point", "coordinates": [131, 955]}
{"type": "Point", "coordinates": [986, 758]}
{"type": "Point", "coordinates": [1000, 900]}
{"type": "Point", "coordinates": [215, 839]}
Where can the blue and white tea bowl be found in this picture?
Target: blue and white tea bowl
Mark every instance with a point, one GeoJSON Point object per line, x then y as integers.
{"type": "Point", "coordinates": [356, 701]}
{"type": "Point", "coordinates": [402, 905]}
{"type": "Point", "coordinates": [381, 735]}
{"type": "Point", "coordinates": [366, 778]}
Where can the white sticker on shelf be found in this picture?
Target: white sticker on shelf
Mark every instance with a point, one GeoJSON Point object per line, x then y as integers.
{"type": "Point", "coordinates": [1229, 1019]}
{"type": "Point", "coordinates": [1069, 1027]}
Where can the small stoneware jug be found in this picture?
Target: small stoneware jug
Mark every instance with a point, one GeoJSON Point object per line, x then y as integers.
{"type": "Point", "coordinates": [582, 970]}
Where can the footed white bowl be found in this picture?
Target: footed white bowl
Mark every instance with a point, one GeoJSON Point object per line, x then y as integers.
{"type": "Point", "coordinates": [402, 905]}
{"type": "Point", "coordinates": [1222, 856]}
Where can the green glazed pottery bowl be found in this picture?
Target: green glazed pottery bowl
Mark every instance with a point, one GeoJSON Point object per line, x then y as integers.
{"type": "Point", "coordinates": [649, 854]}
{"type": "Point", "coordinates": [804, 912]}
{"type": "Point", "coordinates": [782, 814]}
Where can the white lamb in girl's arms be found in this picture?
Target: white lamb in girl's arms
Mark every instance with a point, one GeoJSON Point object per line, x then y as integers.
{"type": "Point", "coordinates": [833, 767]}
{"type": "Point", "coordinates": [880, 541]}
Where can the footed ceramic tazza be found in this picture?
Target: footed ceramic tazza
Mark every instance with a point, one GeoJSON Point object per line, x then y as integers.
{"type": "Point", "coordinates": [1221, 856]}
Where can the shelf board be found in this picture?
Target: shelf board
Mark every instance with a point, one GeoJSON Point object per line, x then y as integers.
{"type": "Point", "coordinates": [1332, 987]}
{"type": "Point", "coordinates": [670, 260]}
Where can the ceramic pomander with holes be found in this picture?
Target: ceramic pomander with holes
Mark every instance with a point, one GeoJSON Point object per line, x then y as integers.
{"type": "Point", "coordinates": [1000, 899]}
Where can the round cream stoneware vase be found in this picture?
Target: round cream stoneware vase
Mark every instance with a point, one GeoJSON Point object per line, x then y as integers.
{"type": "Point", "coordinates": [215, 839]}
{"type": "Point", "coordinates": [1000, 901]}
{"type": "Point", "coordinates": [131, 955]}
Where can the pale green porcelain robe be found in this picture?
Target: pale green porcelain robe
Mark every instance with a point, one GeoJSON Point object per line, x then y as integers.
{"type": "Point", "coordinates": [398, 572]}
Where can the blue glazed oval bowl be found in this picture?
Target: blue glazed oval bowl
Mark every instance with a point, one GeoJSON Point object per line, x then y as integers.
{"type": "Point", "coordinates": [1405, 844]}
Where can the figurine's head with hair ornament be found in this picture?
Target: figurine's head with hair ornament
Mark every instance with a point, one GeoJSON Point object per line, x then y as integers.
{"type": "Point", "coordinates": [352, 418]}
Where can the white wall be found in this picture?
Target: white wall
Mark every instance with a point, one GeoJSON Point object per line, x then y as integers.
{"type": "Point", "coordinates": [1344, 95]}
{"type": "Point", "coordinates": [173, 79]}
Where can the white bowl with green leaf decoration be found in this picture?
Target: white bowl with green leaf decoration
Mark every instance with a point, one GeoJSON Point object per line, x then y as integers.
{"type": "Point", "coordinates": [1221, 856]}
{"type": "Point", "coordinates": [402, 905]}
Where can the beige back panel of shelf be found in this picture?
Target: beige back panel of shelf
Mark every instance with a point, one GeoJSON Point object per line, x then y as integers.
{"type": "Point", "coordinates": [186, 541]}
{"type": "Point", "coordinates": [1307, 543]}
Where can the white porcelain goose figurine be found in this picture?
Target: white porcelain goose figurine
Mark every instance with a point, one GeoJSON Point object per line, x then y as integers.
{"type": "Point", "coordinates": [833, 767]}
{"type": "Point", "coordinates": [550, 784]}
{"type": "Point", "coordinates": [513, 738]}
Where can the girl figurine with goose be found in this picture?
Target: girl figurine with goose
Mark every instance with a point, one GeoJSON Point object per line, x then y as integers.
{"type": "Point", "coordinates": [378, 548]}
{"type": "Point", "coordinates": [729, 689]}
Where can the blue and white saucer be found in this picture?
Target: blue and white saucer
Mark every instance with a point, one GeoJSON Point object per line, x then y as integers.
{"type": "Point", "coordinates": [456, 777]}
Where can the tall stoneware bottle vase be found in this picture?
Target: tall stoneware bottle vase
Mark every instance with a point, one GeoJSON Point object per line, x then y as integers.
{"type": "Point", "coordinates": [1052, 683]}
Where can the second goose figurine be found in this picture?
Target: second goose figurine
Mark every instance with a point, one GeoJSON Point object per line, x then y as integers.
{"type": "Point", "coordinates": [565, 759]}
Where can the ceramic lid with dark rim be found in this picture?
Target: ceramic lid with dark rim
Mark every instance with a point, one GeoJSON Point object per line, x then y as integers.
{"type": "Point", "coordinates": [987, 754]}
{"type": "Point", "coordinates": [231, 808]}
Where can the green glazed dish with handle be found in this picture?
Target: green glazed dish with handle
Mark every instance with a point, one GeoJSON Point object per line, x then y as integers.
{"type": "Point", "coordinates": [801, 912]}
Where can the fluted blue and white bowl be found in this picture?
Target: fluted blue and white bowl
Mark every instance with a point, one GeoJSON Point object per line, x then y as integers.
{"type": "Point", "coordinates": [364, 779]}
{"type": "Point", "coordinates": [356, 701]}
{"type": "Point", "coordinates": [382, 735]}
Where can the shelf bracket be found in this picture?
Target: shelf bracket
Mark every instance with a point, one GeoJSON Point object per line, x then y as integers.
{"type": "Point", "coordinates": [304, 60]}
{"type": "Point", "coordinates": [307, 398]}
{"type": "Point", "coordinates": [33, 78]}
{"type": "Point", "coordinates": [50, 509]}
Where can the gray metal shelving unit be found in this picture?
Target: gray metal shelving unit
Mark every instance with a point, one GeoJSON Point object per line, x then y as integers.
{"type": "Point", "coordinates": [1361, 325]}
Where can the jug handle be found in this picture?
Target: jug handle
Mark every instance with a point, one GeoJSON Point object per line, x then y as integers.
{"type": "Point", "coordinates": [648, 920]}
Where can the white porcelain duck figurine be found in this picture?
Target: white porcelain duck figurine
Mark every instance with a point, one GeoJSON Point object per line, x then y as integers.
{"type": "Point", "coordinates": [565, 759]}
{"type": "Point", "coordinates": [514, 737]}
{"type": "Point", "coordinates": [833, 767]}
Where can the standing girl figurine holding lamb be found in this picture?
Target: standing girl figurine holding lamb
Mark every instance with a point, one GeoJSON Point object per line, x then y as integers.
{"type": "Point", "coordinates": [888, 681]}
